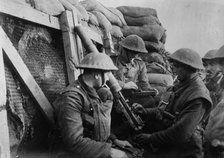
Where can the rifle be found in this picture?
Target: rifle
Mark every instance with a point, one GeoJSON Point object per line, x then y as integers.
{"type": "Point", "coordinates": [133, 119]}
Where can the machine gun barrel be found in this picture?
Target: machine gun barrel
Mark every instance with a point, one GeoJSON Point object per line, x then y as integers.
{"type": "Point", "coordinates": [134, 120]}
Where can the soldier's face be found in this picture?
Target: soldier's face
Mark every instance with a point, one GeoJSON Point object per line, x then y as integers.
{"type": "Point", "coordinates": [179, 71]}
{"type": "Point", "coordinates": [211, 68]}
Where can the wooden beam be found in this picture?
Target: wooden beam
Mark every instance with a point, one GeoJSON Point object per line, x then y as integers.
{"type": "Point", "coordinates": [25, 12]}
{"type": "Point", "coordinates": [28, 13]}
{"type": "Point", "coordinates": [4, 136]}
{"type": "Point", "coordinates": [26, 76]}
{"type": "Point", "coordinates": [71, 48]}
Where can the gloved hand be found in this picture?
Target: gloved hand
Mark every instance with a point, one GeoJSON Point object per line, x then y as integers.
{"type": "Point", "coordinates": [122, 143]}
{"type": "Point", "coordinates": [115, 153]}
{"type": "Point", "coordinates": [130, 85]}
{"type": "Point", "coordinates": [143, 139]}
{"type": "Point", "coordinates": [151, 112]}
{"type": "Point", "coordinates": [105, 94]}
{"type": "Point", "coordinates": [139, 109]}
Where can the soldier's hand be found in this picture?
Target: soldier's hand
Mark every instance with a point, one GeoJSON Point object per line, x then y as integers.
{"type": "Point", "coordinates": [130, 85]}
{"type": "Point", "coordinates": [138, 108]}
{"type": "Point", "coordinates": [105, 94]}
{"type": "Point", "coordinates": [122, 143]}
{"type": "Point", "coordinates": [143, 139]}
{"type": "Point", "coordinates": [115, 153]}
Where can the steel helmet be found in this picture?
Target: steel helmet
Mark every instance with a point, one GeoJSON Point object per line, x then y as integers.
{"type": "Point", "coordinates": [134, 43]}
{"type": "Point", "coordinates": [219, 53]}
{"type": "Point", "coordinates": [209, 55]}
{"type": "Point", "coordinates": [188, 57]}
{"type": "Point", "coordinates": [96, 60]}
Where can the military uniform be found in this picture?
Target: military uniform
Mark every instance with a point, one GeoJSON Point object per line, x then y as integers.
{"type": "Point", "coordinates": [83, 121]}
{"type": "Point", "coordinates": [134, 71]}
{"type": "Point", "coordinates": [214, 128]}
{"type": "Point", "coordinates": [191, 105]}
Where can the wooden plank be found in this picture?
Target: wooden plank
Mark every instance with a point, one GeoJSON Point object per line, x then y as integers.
{"type": "Point", "coordinates": [70, 45]}
{"type": "Point", "coordinates": [77, 39]}
{"type": "Point", "coordinates": [4, 136]}
{"type": "Point", "coordinates": [26, 76]}
{"type": "Point", "coordinates": [22, 11]}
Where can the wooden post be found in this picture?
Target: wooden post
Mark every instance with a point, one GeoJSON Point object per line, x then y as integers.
{"type": "Point", "coordinates": [71, 48]}
{"type": "Point", "coordinates": [4, 136]}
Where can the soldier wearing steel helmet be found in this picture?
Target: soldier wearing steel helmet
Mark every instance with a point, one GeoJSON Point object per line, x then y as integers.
{"type": "Point", "coordinates": [132, 72]}
{"type": "Point", "coordinates": [182, 112]}
{"type": "Point", "coordinates": [211, 68]}
{"type": "Point", "coordinates": [214, 133]}
{"type": "Point", "coordinates": [83, 119]}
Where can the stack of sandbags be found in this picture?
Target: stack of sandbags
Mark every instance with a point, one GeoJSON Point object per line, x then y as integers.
{"type": "Point", "coordinates": [159, 75]}
{"type": "Point", "coordinates": [110, 19]}
{"type": "Point", "coordinates": [145, 23]}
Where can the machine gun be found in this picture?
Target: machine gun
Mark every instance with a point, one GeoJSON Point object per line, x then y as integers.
{"type": "Point", "coordinates": [133, 119]}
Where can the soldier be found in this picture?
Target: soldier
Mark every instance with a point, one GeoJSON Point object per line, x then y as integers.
{"type": "Point", "coordinates": [83, 120]}
{"type": "Point", "coordinates": [210, 66]}
{"type": "Point", "coordinates": [187, 106]}
{"type": "Point", "coordinates": [132, 72]}
{"type": "Point", "coordinates": [212, 71]}
{"type": "Point", "coordinates": [214, 133]}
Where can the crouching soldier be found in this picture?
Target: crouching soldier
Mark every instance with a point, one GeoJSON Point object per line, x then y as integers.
{"type": "Point", "coordinates": [82, 117]}
{"type": "Point", "coordinates": [189, 103]}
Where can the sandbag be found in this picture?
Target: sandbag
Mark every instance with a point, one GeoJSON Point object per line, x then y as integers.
{"type": "Point", "coordinates": [137, 11]}
{"type": "Point", "coordinates": [118, 14]}
{"type": "Point", "coordinates": [93, 19]}
{"type": "Point", "coordinates": [154, 46]}
{"type": "Point", "coordinates": [84, 14]}
{"type": "Point", "coordinates": [103, 21]}
{"type": "Point", "coordinates": [162, 79]}
{"type": "Point", "coordinates": [51, 7]}
{"type": "Point", "coordinates": [147, 32]}
{"type": "Point", "coordinates": [116, 31]}
{"type": "Point", "coordinates": [155, 68]}
{"type": "Point", "coordinates": [93, 5]}
{"type": "Point", "coordinates": [144, 20]}
{"type": "Point", "coordinates": [66, 4]}
{"type": "Point", "coordinates": [74, 2]}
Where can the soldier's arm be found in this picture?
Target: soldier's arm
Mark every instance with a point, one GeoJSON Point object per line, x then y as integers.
{"type": "Point", "coordinates": [143, 82]}
{"type": "Point", "coordinates": [71, 125]}
{"type": "Point", "coordinates": [183, 129]}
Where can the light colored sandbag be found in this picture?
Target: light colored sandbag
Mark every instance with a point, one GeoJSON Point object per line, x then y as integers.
{"type": "Point", "coordinates": [103, 21]}
{"type": "Point", "coordinates": [137, 11]}
{"type": "Point", "coordinates": [67, 5]}
{"type": "Point", "coordinates": [163, 79]}
{"type": "Point", "coordinates": [118, 14]}
{"type": "Point", "coordinates": [51, 7]}
{"type": "Point", "coordinates": [84, 14]}
{"type": "Point", "coordinates": [147, 32]}
{"type": "Point", "coordinates": [144, 20]}
{"type": "Point", "coordinates": [93, 19]}
{"type": "Point", "coordinates": [74, 2]}
{"type": "Point", "coordinates": [93, 5]}
{"type": "Point", "coordinates": [116, 31]}
{"type": "Point", "coordinates": [154, 46]}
